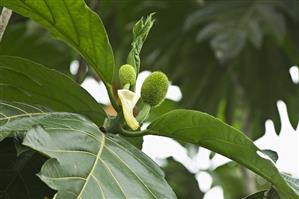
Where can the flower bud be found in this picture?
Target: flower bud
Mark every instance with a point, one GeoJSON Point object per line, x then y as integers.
{"type": "Point", "coordinates": [154, 88]}
{"type": "Point", "coordinates": [127, 75]}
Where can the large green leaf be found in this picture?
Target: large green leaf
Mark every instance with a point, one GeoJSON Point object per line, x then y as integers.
{"type": "Point", "coordinates": [25, 81]}
{"type": "Point", "coordinates": [85, 163]}
{"type": "Point", "coordinates": [204, 130]}
{"type": "Point", "coordinates": [74, 23]}
{"type": "Point", "coordinates": [18, 174]}
{"type": "Point", "coordinates": [10, 112]}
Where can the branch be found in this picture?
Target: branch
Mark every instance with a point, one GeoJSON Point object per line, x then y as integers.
{"type": "Point", "coordinates": [4, 18]}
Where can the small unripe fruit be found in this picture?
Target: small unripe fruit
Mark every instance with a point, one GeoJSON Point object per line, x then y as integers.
{"type": "Point", "coordinates": [127, 75]}
{"type": "Point", "coordinates": [154, 88]}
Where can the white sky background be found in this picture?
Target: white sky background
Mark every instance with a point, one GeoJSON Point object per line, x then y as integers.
{"type": "Point", "coordinates": [286, 144]}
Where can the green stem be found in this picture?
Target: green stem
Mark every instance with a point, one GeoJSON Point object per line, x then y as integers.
{"type": "Point", "coordinates": [133, 133]}
{"type": "Point", "coordinates": [115, 126]}
{"type": "Point", "coordinates": [111, 97]}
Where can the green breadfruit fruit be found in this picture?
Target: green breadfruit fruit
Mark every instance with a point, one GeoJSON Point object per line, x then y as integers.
{"type": "Point", "coordinates": [154, 88]}
{"type": "Point", "coordinates": [127, 75]}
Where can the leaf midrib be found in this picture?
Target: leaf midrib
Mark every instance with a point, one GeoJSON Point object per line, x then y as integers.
{"type": "Point", "coordinates": [98, 158]}
{"type": "Point", "coordinates": [24, 114]}
{"type": "Point", "coordinates": [29, 8]}
{"type": "Point", "coordinates": [94, 165]}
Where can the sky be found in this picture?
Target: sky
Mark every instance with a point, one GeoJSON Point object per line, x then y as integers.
{"type": "Point", "coordinates": [286, 144]}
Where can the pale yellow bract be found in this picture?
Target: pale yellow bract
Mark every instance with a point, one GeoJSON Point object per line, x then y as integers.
{"type": "Point", "coordinates": [128, 101]}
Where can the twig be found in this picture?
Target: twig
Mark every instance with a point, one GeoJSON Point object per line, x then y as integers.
{"type": "Point", "coordinates": [4, 18]}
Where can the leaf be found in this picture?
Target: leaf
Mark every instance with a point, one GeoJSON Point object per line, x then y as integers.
{"type": "Point", "coordinates": [272, 154]}
{"type": "Point", "coordinates": [18, 179]}
{"type": "Point", "coordinates": [28, 82]}
{"type": "Point", "coordinates": [166, 106]}
{"type": "Point", "coordinates": [204, 130]}
{"type": "Point", "coordinates": [29, 40]}
{"type": "Point", "coordinates": [140, 32]}
{"type": "Point", "coordinates": [182, 181]}
{"type": "Point", "coordinates": [91, 164]}
{"type": "Point", "coordinates": [11, 112]}
{"type": "Point", "coordinates": [293, 182]}
{"type": "Point", "coordinates": [231, 24]}
{"type": "Point", "coordinates": [229, 177]}
{"type": "Point", "coordinates": [265, 194]}
{"type": "Point", "coordinates": [74, 23]}
{"type": "Point", "coordinates": [135, 141]}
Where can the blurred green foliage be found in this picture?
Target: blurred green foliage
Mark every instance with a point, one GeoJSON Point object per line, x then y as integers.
{"type": "Point", "coordinates": [177, 175]}
{"type": "Point", "coordinates": [230, 58]}
{"type": "Point", "coordinates": [28, 40]}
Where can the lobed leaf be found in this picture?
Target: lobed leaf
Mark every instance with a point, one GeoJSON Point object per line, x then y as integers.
{"type": "Point", "coordinates": [230, 25]}
{"type": "Point", "coordinates": [84, 162]}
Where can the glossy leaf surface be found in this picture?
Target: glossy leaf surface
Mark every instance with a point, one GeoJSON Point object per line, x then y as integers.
{"type": "Point", "coordinates": [74, 23]}
{"type": "Point", "coordinates": [204, 130]}
{"type": "Point", "coordinates": [28, 82]}
{"type": "Point", "coordinates": [84, 162]}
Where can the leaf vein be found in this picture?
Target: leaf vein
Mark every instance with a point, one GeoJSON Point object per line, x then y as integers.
{"type": "Point", "coordinates": [94, 165]}
{"type": "Point", "coordinates": [73, 24]}
{"type": "Point", "coordinates": [98, 183]}
{"type": "Point", "coordinates": [17, 108]}
{"type": "Point", "coordinates": [113, 176]}
{"type": "Point", "coordinates": [21, 115]}
{"type": "Point", "coordinates": [117, 156]}
{"type": "Point", "coordinates": [132, 154]}
{"type": "Point", "coordinates": [83, 132]}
